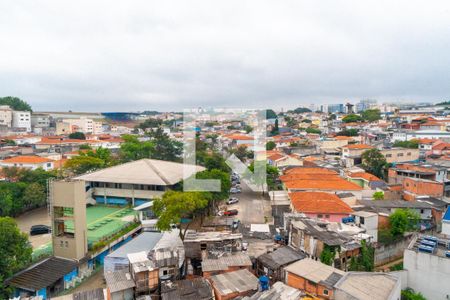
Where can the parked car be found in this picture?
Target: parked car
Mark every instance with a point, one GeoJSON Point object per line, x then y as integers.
{"type": "Point", "coordinates": [232, 200]}
{"type": "Point", "coordinates": [235, 224]}
{"type": "Point", "coordinates": [231, 212]}
{"type": "Point", "coordinates": [40, 229]}
{"type": "Point", "coordinates": [234, 190]}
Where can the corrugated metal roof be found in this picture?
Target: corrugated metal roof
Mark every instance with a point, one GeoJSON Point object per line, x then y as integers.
{"type": "Point", "coordinates": [42, 274]}
{"type": "Point", "coordinates": [224, 262]}
{"type": "Point", "coordinates": [280, 257]}
{"type": "Point", "coordinates": [119, 281]}
{"type": "Point", "coordinates": [238, 281]}
{"type": "Point", "coordinates": [194, 289]}
{"type": "Point", "coordinates": [144, 242]}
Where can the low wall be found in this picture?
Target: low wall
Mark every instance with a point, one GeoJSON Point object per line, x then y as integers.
{"type": "Point", "coordinates": [387, 253]}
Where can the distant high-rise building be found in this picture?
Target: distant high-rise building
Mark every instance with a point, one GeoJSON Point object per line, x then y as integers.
{"type": "Point", "coordinates": [366, 104]}
{"type": "Point", "coordinates": [349, 108]}
{"type": "Point", "coordinates": [335, 108]}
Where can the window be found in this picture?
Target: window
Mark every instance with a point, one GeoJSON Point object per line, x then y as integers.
{"type": "Point", "coordinates": [325, 292]}
{"type": "Point", "coordinates": [327, 216]}
{"type": "Point", "coordinates": [399, 154]}
{"type": "Point", "coordinates": [409, 153]}
{"type": "Point", "coordinates": [422, 211]}
{"type": "Point", "coordinates": [320, 216]}
{"type": "Point", "coordinates": [361, 220]}
{"type": "Point", "coordinates": [388, 155]}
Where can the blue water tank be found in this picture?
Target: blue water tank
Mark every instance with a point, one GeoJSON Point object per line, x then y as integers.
{"type": "Point", "coordinates": [424, 248]}
{"type": "Point", "coordinates": [264, 282]}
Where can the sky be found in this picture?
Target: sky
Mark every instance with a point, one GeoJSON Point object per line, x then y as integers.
{"type": "Point", "coordinates": [171, 55]}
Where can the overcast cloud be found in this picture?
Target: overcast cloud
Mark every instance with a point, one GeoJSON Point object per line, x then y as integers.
{"type": "Point", "coordinates": [170, 55]}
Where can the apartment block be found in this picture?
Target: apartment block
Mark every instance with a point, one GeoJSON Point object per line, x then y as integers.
{"type": "Point", "coordinates": [21, 120]}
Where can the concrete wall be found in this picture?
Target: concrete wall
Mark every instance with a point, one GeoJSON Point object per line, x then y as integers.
{"type": "Point", "coordinates": [428, 274]}
{"type": "Point", "coordinates": [391, 252]}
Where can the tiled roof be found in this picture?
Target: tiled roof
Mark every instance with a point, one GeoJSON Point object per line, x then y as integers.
{"type": "Point", "coordinates": [342, 138]}
{"type": "Point", "coordinates": [239, 137]}
{"type": "Point", "coordinates": [327, 184]}
{"type": "Point", "coordinates": [441, 146]}
{"type": "Point", "coordinates": [358, 146]}
{"type": "Point", "coordinates": [427, 141]}
{"type": "Point", "coordinates": [301, 170]}
{"type": "Point", "coordinates": [364, 175]}
{"type": "Point", "coordinates": [318, 202]}
{"type": "Point", "coordinates": [275, 157]}
{"type": "Point", "coordinates": [26, 160]}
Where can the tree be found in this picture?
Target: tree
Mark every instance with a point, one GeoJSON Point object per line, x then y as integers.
{"type": "Point", "coordinates": [175, 205]}
{"type": "Point", "coordinates": [313, 130]}
{"type": "Point", "coordinates": [248, 128]}
{"type": "Point", "coordinates": [34, 196]}
{"type": "Point", "coordinates": [164, 147]}
{"type": "Point", "coordinates": [90, 161]}
{"type": "Point", "coordinates": [412, 144]}
{"type": "Point", "coordinates": [306, 121]}
{"type": "Point", "coordinates": [15, 252]}
{"type": "Point", "coordinates": [241, 153]}
{"type": "Point", "coordinates": [275, 130]}
{"type": "Point", "coordinates": [409, 294]}
{"type": "Point", "coordinates": [351, 118]}
{"type": "Point", "coordinates": [15, 103]}
{"type": "Point", "coordinates": [348, 132]}
{"type": "Point", "coordinates": [365, 261]}
{"type": "Point", "coordinates": [374, 162]}
{"type": "Point", "coordinates": [133, 149]}
{"type": "Point", "coordinates": [327, 255]}
{"type": "Point", "coordinates": [270, 114]}
{"type": "Point", "coordinates": [403, 220]}
{"type": "Point", "coordinates": [271, 176]}
{"type": "Point", "coordinates": [216, 162]}
{"type": "Point", "coordinates": [77, 136]}
{"type": "Point", "coordinates": [150, 123]}
{"type": "Point", "coordinates": [300, 110]}
{"type": "Point", "coordinates": [371, 115]}
{"type": "Point", "coordinates": [85, 147]}
{"type": "Point", "coordinates": [332, 117]}
{"type": "Point", "coordinates": [378, 195]}
{"type": "Point", "coordinates": [270, 145]}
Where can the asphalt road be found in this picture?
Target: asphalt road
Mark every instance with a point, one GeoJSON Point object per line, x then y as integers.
{"type": "Point", "coordinates": [252, 206]}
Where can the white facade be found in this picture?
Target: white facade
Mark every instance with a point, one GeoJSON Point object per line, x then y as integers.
{"type": "Point", "coordinates": [367, 221]}
{"type": "Point", "coordinates": [40, 121]}
{"type": "Point", "coordinates": [21, 119]}
{"type": "Point", "coordinates": [420, 134]}
{"type": "Point", "coordinates": [428, 274]}
{"type": "Point", "coordinates": [47, 166]}
{"type": "Point", "coordinates": [5, 116]}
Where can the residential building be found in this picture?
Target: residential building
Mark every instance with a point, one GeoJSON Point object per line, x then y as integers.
{"type": "Point", "coordinates": [272, 263]}
{"type": "Point", "coordinates": [313, 277]}
{"type": "Point", "coordinates": [368, 221]}
{"type": "Point", "coordinates": [278, 291]}
{"type": "Point", "coordinates": [399, 172]}
{"type": "Point", "coordinates": [416, 187]}
{"type": "Point", "coordinates": [309, 179]}
{"type": "Point", "coordinates": [40, 120]}
{"type": "Point", "coordinates": [428, 267]}
{"type": "Point", "coordinates": [21, 120]}
{"type": "Point", "coordinates": [28, 162]}
{"type": "Point", "coordinates": [120, 285]}
{"type": "Point", "coordinates": [227, 262]}
{"type": "Point", "coordinates": [320, 205]}
{"type": "Point", "coordinates": [366, 180]}
{"type": "Point", "coordinates": [351, 154]}
{"type": "Point", "coordinates": [234, 284]}
{"type": "Point", "coordinates": [446, 223]}
{"type": "Point", "coordinates": [6, 114]}
{"type": "Point", "coordinates": [195, 288]}
{"type": "Point", "coordinates": [313, 236]}
{"type": "Point", "coordinates": [400, 155]}
{"type": "Point", "coordinates": [367, 285]}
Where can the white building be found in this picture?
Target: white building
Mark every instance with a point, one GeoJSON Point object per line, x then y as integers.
{"type": "Point", "coordinates": [5, 116]}
{"type": "Point", "coordinates": [84, 125]}
{"type": "Point", "coordinates": [40, 120]}
{"type": "Point", "coordinates": [428, 273]}
{"type": "Point", "coordinates": [28, 162]}
{"type": "Point", "coordinates": [368, 221]}
{"type": "Point", "coordinates": [420, 134]}
{"type": "Point", "coordinates": [21, 119]}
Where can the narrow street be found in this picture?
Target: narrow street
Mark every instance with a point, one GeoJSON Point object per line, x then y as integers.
{"type": "Point", "coordinates": [252, 206]}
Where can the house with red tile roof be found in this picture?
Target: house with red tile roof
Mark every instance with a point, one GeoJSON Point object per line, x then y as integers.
{"type": "Point", "coordinates": [318, 180]}
{"type": "Point", "coordinates": [366, 180]}
{"type": "Point", "coordinates": [320, 205]}
{"type": "Point", "coordinates": [28, 162]}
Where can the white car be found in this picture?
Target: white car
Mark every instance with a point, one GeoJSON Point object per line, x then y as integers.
{"type": "Point", "coordinates": [235, 190]}
{"type": "Point", "coordinates": [232, 200]}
